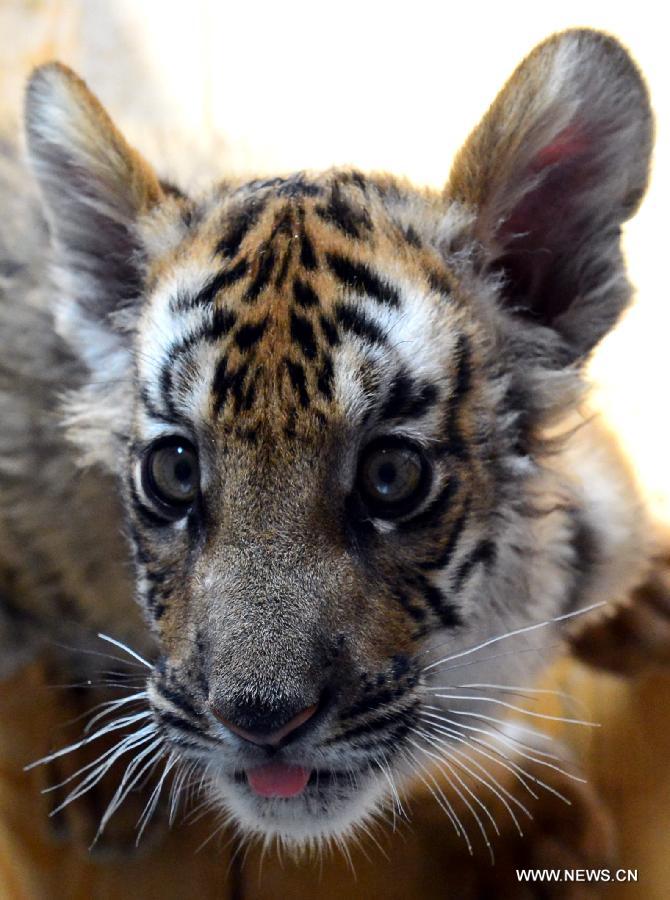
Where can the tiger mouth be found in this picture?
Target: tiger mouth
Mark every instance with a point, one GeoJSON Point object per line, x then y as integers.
{"type": "Point", "coordinates": [316, 776]}
{"type": "Point", "coordinates": [315, 780]}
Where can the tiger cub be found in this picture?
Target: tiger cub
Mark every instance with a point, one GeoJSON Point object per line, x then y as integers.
{"type": "Point", "coordinates": [325, 429]}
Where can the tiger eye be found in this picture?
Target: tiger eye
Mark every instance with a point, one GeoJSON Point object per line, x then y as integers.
{"type": "Point", "coordinates": [393, 477]}
{"type": "Point", "coordinates": [171, 474]}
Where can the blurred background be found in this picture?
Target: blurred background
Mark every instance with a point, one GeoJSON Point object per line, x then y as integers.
{"type": "Point", "coordinates": [205, 85]}
{"type": "Point", "coordinates": [206, 88]}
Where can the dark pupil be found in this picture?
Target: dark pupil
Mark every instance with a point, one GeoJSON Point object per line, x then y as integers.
{"type": "Point", "coordinates": [387, 473]}
{"type": "Point", "coordinates": [183, 470]}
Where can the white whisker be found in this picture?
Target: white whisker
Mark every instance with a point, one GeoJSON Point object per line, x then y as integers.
{"type": "Point", "coordinates": [517, 631]}
{"type": "Point", "coordinates": [111, 705]}
{"type": "Point", "coordinates": [152, 803]}
{"type": "Point", "coordinates": [439, 713]}
{"type": "Point", "coordinates": [487, 779]}
{"type": "Point", "coordinates": [531, 758]}
{"type": "Point", "coordinates": [143, 733]}
{"type": "Point", "coordinates": [519, 709]}
{"type": "Point", "coordinates": [514, 769]}
{"type": "Point", "coordinates": [113, 726]}
{"type": "Point", "coordinates": [514, 745]}
{"type": "Point", "coordinates": [441, 800]}
{"type": "Point", "coordinates": [441, 764]}
{"type": "Point", "coordinates": [129, 743]}
{"type": "Point", "coordinates": [128, 782]}
{"type": "Point", "coordinates": [126, 648]}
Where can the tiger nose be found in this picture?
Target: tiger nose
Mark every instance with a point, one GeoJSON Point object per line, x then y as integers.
{"type": "Point", "coordinates": [259, 726]}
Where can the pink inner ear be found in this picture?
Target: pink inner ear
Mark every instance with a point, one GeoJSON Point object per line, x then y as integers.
{"type": "Point", "coordinates": [549, 221]}
{"type": "Point", "coordinates": [568, 145]}
{"type": "Point", "coordinates": [549, 215]}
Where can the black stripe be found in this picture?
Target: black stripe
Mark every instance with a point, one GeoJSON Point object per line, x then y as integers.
{"type": "Point", "coordinates": [147, 515]}
{"type": "Point", "coordinates": [445, 612]}
{"type": "Point", "coordinates": [166, 389]}
{"type": "Point", "coordinates": [176, 695]}
{"type": "Point", "coordinates": [418, 613]}
{"type": "Point", "coordinates": [225, 279]}
{"type": "Point", "coordinates": [420, 404]}
{"type": "Point", "coordinates": [298, 380]}
{"type": "Point", "coordinates": [169, 718]}
{"type": "Point", "coordinates": [225, 383]}
{"type": "Point", "coordinates": [141, 553]}
{"type": "Point", "coordinates": [222, 322]}
{"type": "Point", "coordinates": [446, 554]}
{"type": "Point", "coordinates": [154, 603]}
{"type": "Point", "coordinates": [398, 729]}
{"type": "Point", "coordinates": [358, 323]}
{"type": "Point", "coordinates": [220, 384]}
{"type": "Point", "coordinates": [250, 393]}
{"type": "Point", "coordinates": [484, 552]}
{"type": "Point", "coordinates": [303, 335]}
{"type": "Point", "coordinates": [307, 255]}
{"type": "Point", "coordinates": [324, 381]}
{"type": "Point", "coordinates": [329, 330]}
{"type": "Point", "coordinates": [283, 269]}
{"type": "Point", "coordinates": [151, 410]}
{"type": "Point", "coordinates": [352, 221]}
{"type": "Point", "coordinates": [431, 515]}
{"type": "Point", "coordinates": [353, 176]}
{"type": "Point", "coordinates": [289, 427]}
{"type": "Point", "coordinates": [401, 390]}
{"type": "Point", "coordinates": [361, 278]}
{"type": "Point", "coordinates": [263, 275]}
{"type": "Point", "coordinates": [238, 227]}
{"type": "Point", "coordinates": [249, 435]}
{"type": "Point", "coordinates": [304, 294]}
{"type": "Point", "coordinates": [439, 282]}
{"type": "Point", "coordinates": [157, 578]}
{"type": "Point", "coordinates": [248, 335]}
{"type": "Point", "coordinates": [382, 721]}
{"type": "Point", "coordinates": [371, 702]}
{"type": "Point", "coordinates": [455, 443]}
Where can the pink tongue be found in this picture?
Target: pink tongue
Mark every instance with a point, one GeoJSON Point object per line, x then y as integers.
{"type": "Point", "coordinates": [278, 780]}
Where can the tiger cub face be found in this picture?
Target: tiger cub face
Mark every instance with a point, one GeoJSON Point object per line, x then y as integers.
{"type": "Point", "coordinates": [325, 398]}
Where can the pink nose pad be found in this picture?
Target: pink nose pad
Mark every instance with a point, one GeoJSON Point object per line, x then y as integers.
{"type": "Point", "coordinates": [275, 737]}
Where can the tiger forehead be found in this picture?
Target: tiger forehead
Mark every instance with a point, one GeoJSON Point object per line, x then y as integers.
{"type": "Point", "coordinates": [359, 232]}
{"type": "Point", "coordinates": [288, 270]}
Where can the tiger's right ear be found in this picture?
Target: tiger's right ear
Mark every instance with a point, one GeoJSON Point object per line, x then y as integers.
{"type": "Point", "coordinates": [93, 184]}
{"type": "Point", "coordinates": [94, 187]}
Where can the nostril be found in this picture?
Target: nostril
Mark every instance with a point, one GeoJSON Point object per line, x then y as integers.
{"type": "Point", "coordinates": [256, 729]}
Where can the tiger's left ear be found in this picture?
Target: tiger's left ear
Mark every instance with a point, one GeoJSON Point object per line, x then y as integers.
{"type": "Point", "coordinates": [558, 163]}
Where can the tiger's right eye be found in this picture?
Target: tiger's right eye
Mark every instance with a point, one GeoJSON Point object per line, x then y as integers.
{"type": "Point", "coordinates": [171, 475]}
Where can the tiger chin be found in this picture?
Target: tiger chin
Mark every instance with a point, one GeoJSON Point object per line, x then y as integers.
{"type": "Point", "coordinates": [335, 419]}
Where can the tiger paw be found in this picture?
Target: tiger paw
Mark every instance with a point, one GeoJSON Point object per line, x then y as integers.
{"type": "Point", "coordinates": [633, 636]}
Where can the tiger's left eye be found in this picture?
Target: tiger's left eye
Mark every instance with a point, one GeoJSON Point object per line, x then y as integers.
{"type": "Point", "coordinates": [171, 475]}
{"type": "Point", "coordinates": [393, 477]}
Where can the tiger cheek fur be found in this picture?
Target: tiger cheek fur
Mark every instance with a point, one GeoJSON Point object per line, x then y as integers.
{"type": "Point", "coordinates": [339, 456]}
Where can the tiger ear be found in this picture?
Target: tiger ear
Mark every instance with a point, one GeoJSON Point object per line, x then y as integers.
{"type": "Point", "coordinates": [558, 163]}
{"type": "Point", "coordinates": [94, 188]}
{"type": "Point", "coordinates": [93, 184]}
